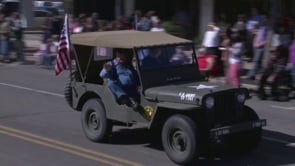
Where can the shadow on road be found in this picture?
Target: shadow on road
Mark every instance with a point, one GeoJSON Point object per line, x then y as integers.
{"type": "Point", "coordinates": [275, 149]}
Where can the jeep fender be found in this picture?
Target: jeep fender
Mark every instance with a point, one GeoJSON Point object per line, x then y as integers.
{"type": "Point", "coordinates": [164, 110]}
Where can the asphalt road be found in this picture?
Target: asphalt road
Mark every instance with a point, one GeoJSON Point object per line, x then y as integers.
{"type": "Point", "coordinates": [37, 127]}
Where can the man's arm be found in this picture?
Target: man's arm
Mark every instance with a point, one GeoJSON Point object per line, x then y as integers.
{"type": "Point", "coordinates": [105, 72]}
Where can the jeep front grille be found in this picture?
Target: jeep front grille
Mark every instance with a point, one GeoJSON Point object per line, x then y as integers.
{"type": "Point", "coordinates": [226, 109]}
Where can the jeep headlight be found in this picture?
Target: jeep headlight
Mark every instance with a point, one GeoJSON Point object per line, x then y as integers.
{"type": "Point", "coordinates": [241, 97]}
{"type": "Point", "coordinates": [209, 102]}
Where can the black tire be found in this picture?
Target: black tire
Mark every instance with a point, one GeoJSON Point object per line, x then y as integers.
{"type": "Point", "coordinates": [94, 121]}
{"type": "Point", "coordinates": [180, 139]}
{"type": "Point", "coordinates": [248, 140]}
{"type": "Point", "coordinates": [68, 93]}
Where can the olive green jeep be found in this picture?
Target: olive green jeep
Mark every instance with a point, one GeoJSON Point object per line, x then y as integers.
{"type": "Point", "coordinates": [187, 112]}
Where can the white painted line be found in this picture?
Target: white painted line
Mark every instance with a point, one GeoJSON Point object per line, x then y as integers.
{"type": "Point", "coordinates": [31, 89]}
{"type": "Point", "coordinates": [281, 107]}
{"type": "Point", "coordinates": [290, 144]}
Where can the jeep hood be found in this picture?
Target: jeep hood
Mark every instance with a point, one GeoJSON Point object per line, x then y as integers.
{"type": "Point", "coordinates": [191, 93]}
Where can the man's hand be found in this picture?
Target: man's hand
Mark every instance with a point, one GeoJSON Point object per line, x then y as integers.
{"type": "Point", "coordinates": [107, 66]}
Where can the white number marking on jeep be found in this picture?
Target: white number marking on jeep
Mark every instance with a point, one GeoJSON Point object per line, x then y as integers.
{"type": "Point", "coordinates": [187, 96]}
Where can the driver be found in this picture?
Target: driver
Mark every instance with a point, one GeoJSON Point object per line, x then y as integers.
{"type": "Point", "coordinates": [123, 79]}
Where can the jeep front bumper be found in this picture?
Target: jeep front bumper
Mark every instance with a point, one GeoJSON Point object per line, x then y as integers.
{"type": "Point", "coordinates": [215, 133]}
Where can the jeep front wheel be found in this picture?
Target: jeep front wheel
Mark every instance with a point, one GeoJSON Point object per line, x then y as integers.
{"type": "Point", "coordinates": [94, 121]}
{"type": "Point", "coordinates": [180, 139]}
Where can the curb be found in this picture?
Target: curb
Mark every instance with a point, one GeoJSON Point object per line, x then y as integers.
{"type": "Point", "coordinates": [32, 31]}
{"type": "Point", "coordinates": [245, 85]}
{"type": "Point", "coordinates": [29, 58]}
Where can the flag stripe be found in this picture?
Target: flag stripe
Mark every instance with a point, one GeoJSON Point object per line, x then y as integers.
{"type": "Point", "coordinates": [63, 60]}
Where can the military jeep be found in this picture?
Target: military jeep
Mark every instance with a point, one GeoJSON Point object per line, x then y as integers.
{"type": "Point", "coordinates": [187, 112]}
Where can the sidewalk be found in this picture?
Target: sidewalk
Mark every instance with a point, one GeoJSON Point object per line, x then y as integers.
{"type": "Point", "coordinates": [252, 85]}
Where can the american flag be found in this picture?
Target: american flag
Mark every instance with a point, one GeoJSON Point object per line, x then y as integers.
{"type": "Point", "coordinates": [63, 60]}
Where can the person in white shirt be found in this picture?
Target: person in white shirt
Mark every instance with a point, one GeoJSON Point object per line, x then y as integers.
{"type": "Point", "coordinates": [211, 42]}
{"type": "Point", "coordinates": [211, 39]}
{"type": "Point", "coordinates": [157, 26]}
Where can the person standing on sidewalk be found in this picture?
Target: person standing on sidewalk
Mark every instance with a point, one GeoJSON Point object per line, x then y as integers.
{"type": "Point", "coordinates": [17, 28]}
{"type": "Point", "coordinates": [259, 44]}
{"type": "Point", "coordinates": [211, 39]}
{"type": "Point", "coordinates": [4, 37]}
{"type": "Point", "coordinates": [236, 51]}
{"type": "Point", "coordinates": [272, 73]}
{"type": "Point", "coordinates": [211, 42]}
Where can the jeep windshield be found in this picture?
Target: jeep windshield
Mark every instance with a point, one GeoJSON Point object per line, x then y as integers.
{"type": "Point", "coordinates": [169, 56]}
{"type": "Point", "coordinates": [160, 65]}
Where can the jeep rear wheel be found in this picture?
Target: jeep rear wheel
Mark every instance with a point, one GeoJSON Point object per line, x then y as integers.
{"type": "Point", "coordinates": [247, 140]}
{"type": "Point", "coordinates": [68, 93]}
{"type": "Point", "coordinates": [94, 121]}
{"type": "Point", "coordinates": [180, 139]}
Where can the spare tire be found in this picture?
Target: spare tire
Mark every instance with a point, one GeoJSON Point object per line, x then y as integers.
{"type": "Point", "coordinates": [68, 93]}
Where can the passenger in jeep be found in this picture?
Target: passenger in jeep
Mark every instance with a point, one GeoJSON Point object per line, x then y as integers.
{"type": "Point", "coordinates": [179, 57]}
{"type": "Point", "coordinates": [123, 79]}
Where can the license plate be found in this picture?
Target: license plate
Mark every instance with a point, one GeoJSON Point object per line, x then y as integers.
{"type": "Point", "coordinates": [259, 123]}
{"type": "Point", "coordinates": [237, 128]}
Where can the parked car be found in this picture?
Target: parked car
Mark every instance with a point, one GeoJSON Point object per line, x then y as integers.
{"type": "Point", "coordinates": [40, 15]}
{"type": "Point", "coordinates": [185, 111]}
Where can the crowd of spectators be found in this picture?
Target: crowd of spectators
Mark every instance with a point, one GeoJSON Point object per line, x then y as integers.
{"type": "Point", "coordinates": [272, 56]}
{"type": "Point", "coordinates": [11, 37]}
{"type": "Point", "coordinates": [225, 44]}
{"type": "Point", "coordinates": [228, 43]}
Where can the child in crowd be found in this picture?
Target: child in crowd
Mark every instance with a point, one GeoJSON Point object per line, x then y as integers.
{"type": "Point", "coordinates": [236, 51]}
{"type": "Point", "coordinates": [50, 55]}
{"type": "Point", "coordinates": [39, 54]}
{"type": "Point", "coordinates": [46, 53]}
{"type": "Point", "coordinates": [206, 62]}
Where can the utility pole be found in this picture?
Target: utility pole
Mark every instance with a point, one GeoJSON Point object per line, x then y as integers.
{"type": "Point", "coordinates": [26, 8]}
{"type": "Point", "coordinates": [69, 6]}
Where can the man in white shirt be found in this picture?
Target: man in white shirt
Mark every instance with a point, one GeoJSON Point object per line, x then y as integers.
{"type": "Point", "coordinates": [211, 42]}
{"type": "Point", "coordinates": [156, 26]}
{"type": "Point", "coordinates": [211, 39]}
